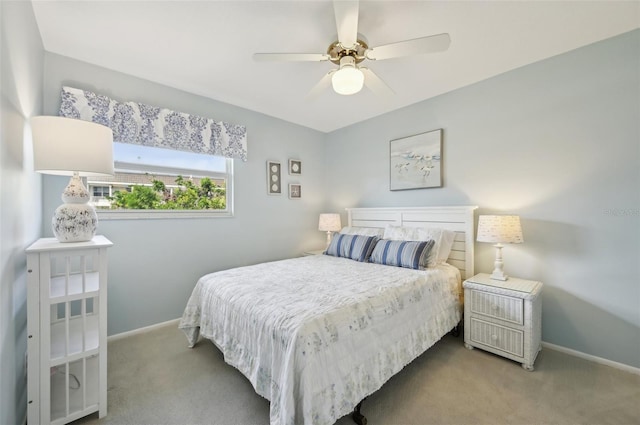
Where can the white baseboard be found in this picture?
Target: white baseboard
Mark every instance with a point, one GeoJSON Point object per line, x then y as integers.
{"type": "Point", "coordinates": [142, 330]}
{"type": "Point", "coordinates": [592, 358]}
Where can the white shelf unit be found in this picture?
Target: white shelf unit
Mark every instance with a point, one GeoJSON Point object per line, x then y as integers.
{"type": "Point", "coordinates": [67, 330]}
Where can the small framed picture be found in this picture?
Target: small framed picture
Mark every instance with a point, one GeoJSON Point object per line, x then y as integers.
{"type": "Point", "coordinates": [295, 167]}
{"type": "Point", "coordinates": [295, 191]}
{"type": "Point", "coordinates": [274, 180]}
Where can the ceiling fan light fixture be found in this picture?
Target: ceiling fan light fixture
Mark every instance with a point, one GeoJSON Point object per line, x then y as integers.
{"type": "Point", "coordinates": [351, 49]}
{"type": "Point", "coordinates": [348, 79]}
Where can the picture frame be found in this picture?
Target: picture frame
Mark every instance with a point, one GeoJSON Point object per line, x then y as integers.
{"type": "Point", "coordinates": [295, 167]}
{"type": "Point", "coordinates": [415, 162]}
{"type": "Point", "coordinates": [295, 191]}
{"type": "Point", "coordinates": [274, 178]}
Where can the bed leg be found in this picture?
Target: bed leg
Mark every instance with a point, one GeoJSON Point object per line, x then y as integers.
{"type": "Point", "coordinates": [456, 330]}
{"type": "Point", "coordinates": [358, 417]}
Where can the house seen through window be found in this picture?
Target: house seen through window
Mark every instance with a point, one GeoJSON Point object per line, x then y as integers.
{"type": "Point", "coordinates": [150, 178]}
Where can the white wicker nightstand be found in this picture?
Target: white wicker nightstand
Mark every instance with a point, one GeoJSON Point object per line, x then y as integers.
{"type": "Point", "coordinates": [503, 317]}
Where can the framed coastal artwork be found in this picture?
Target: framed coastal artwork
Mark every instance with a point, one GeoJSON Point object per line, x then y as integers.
{"type": "Point", "coordinates": [416, 161]}
{"type": "Point", "coordinates": [274, 178]}
{"type": "Point", "coordinates": [295, 167]}
{"type": "Point", "coordinates": [295, 191]}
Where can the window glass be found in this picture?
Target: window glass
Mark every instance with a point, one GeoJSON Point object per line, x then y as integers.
{"type": "Point", "coordinates": [149, 179]}
{"type": "Point", "coordinates": [126, 155]}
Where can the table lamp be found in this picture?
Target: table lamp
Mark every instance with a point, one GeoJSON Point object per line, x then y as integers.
{"type": "Point", "coordinates": [329, 223]}
{"type": "Point", "coordinates": [499, 229]}
{"type": "Point", "coordinates": [70, 147]}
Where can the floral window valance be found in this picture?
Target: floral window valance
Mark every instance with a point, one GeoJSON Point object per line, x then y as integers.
{"type": "Point", "coordinates": [140, 124]}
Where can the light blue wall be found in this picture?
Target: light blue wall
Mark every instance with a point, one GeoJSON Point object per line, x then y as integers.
{"type": "Point", "coordinates": [155, 264]}
{"type": "Point", "coordinates": [556, 142]}
{"type": "Point", "coordinates": [21, 58]}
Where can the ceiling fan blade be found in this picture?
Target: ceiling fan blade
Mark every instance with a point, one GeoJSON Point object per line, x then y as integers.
{"type": "Point", "coordinates": [346, 12]}
{"type": "Point", "coordinates": [322, 86]}
{"type": "Point", "coordinates": [375, 84]}
{"type": "Point", "coordinates": [430, 44]}
{"type": "Point", "coordinates": [290, 57]}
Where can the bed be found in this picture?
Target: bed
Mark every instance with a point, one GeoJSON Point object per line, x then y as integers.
{"type": "Point", "coordinates": [315, 335]}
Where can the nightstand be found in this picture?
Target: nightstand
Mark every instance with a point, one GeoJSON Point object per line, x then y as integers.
{"type": "Point", "coordinates": [503, 317]}
{"type": "Point", "coordinates": [314, 252]}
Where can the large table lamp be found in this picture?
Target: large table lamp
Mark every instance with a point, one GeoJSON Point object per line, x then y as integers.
{"type": "Point", "coordinates": [76, 148]}
{"type": "Point", "coordinates": [499, 229]}
{"type": "Point", "coordinates": [329, 223]}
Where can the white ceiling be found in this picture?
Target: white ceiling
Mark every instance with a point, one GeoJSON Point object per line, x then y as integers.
{"type": "Point", "coordinates": [206, 47]}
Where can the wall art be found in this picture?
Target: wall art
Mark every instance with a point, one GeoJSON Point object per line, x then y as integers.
{"type": "Point", "coordinates": [295, 191]}
{"type": "Point", "coordinates": [274, 180]}
{"type": "Point", "coordinates": [295, 167]}
{"type": "Point", "coordinates": [416, 161]}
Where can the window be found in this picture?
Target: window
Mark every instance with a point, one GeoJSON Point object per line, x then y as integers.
{"type": "Point", "coordinates": [100, 191]}
{"type": "Point", "coordinates": [154, 182]}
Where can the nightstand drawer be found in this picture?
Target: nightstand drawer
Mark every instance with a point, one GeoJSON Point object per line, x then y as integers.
{"type": "Point", "coordinates": [499, 306]}
{"type": "Point", "coordinates": [492, 335]}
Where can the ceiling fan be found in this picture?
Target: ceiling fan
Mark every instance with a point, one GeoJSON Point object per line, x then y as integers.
{"type": "Point", "coordinates": [351, 49]}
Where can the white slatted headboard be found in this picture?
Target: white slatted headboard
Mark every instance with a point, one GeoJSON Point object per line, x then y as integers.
{"type": "Point", "coordinates": [458, 219]}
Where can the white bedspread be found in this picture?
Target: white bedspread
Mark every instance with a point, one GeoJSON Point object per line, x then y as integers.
{"type": "Point", "coordinates": [315, 335]}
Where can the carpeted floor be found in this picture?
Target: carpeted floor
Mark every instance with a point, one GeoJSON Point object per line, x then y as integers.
{"type": "Point", "coordinates": [154, 378]}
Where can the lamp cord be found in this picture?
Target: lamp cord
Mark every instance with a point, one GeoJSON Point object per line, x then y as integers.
{"type": "Point", "coordinates": [77, 385]}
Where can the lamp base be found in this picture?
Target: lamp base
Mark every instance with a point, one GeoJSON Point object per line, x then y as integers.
{"type": "Point", "coordinates": [498, 275]}
{"type": "Point", "coordinates": [328, 238]}
{"type": "Point", "coordinates": [75, 220]}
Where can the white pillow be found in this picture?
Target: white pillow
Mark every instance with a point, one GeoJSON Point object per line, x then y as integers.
{"type": "Point", "coordinates": [364, 231]}
{"type": "Point", "coordinates": [443, 240]}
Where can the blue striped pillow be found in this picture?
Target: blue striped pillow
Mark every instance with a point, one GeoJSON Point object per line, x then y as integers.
{"type": "Point", "coordinates": [408, 254]}
{"type": "Point", "coordinates": [356, 247]}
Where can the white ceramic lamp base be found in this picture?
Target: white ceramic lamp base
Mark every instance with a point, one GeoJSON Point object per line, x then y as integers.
{"type": "Point", "coordinates": [498, 272]}
{"type": "Point", "coordinates": [328, 238]}
{"type": "Point", "coordinates": [75, 220]}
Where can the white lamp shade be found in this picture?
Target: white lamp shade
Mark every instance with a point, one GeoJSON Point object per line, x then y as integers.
{"type": "Point", "coordinates": [499, 229]}
{"type": "Point", "coordinates": [329, 222]}
{"type": "Point", "coordinates": [63, 146]}
{"type": "Point", "coordinates": [347, 80]}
